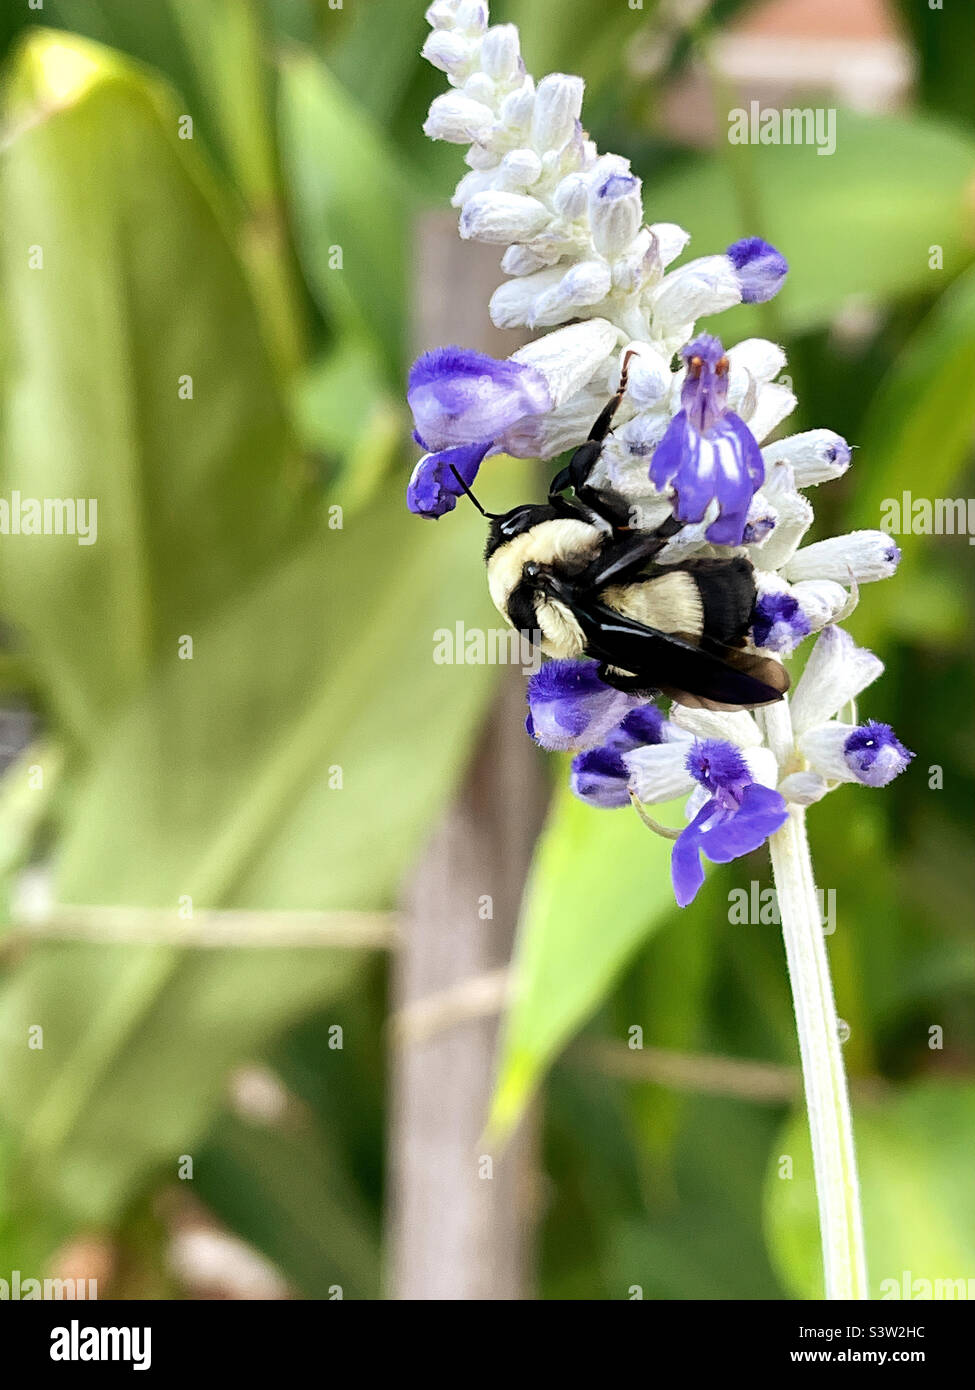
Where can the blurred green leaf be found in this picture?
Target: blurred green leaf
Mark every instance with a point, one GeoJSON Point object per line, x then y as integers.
{"type": "Point", "coordinates": [26, 789]}
{"type": "Point", "coordinates": [311, 711]}
{"type": "Point", "coordinates": [914, 1151]}
{"type": "Point", "coordinates": [858, 223]}
{"type": "Point", "coordinates": [351, 205]}
{"type": "Point", "coordinates": [599, 885]}
{"type": "Point", "coordinates": [286, 1192]}
{"type": "Point", "coordinates": [918, 435]}
{"type": "Point", "coordinates": [103, 1104]}
{"type": "Point", "coordinates": [139, 291]}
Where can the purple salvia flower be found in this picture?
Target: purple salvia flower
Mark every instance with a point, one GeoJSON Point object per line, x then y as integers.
{"type": "Point", "coordinates": [569, 707]}
{"type": "Point", "coordinates": [739, 816]}
{"type": "Point", "coordinates": [642, 726]}
{"type": "Point", "coordinates": [462, 397]}
{"type": "Point", "coordinates": [780, 624]}
{"type": "Point", "coordinates": [875, 755]}
{"type": "Point", "coordinates": [434, 488]}
{"type": "Point", "coordinates": [599, 777]}
{"type": "Point", "coordinates": [708, 452]}
{"type": "Point", "coordinates": [760, 268]}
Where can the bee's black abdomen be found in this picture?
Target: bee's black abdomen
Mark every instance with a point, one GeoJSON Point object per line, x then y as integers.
{"type": "Point", "coordinates": [727, 590]}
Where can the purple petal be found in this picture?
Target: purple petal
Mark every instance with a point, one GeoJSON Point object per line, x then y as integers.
{"type": "Point", "coordinates": [875, 755]}
{"type": "Point", "coordinates": [738, 472]}
{"type": "Point", "coordinates": [761, 813]}
{"type": "Point", "coordinates": [642, 726]}
{"type": "Point", "coordinates": [704, 394]}
{"type": "Point", "coordinates": [433, 490]}
{"type": "Point", "coordinates": [571, 708]}
{"type": "Point", "coordinates": [779, 623]}
{"type": "Point", "coordinates": [718, 766]}
{"type": "Point", "coordinates": [460, 397]}
{"type": "Point", "coordinates": [686, 870]}
{"type": "Point", "coordinates": [600, 778]}
{"type": "Point", "coordinates": [761, 269]}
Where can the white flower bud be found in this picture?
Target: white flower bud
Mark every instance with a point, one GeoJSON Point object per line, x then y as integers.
{"type": "Point", "coordinates": [516, 109]}
{"type": "Point", "coordinates": [459, 120]}
{"type": "Point", "coordinates": [558, 102]}
{"type": "Point", "coordinates": [521, 260]}
{"type": "Point", "coordinates": [863, 556]}
{"type": "Point", "coordinates": [639, 265]}
{"type": "Point", "coordinates": [735, 726]}
{"type": "Point", "coordinates": [512, 303]}
{"type": "Point", "coordinates": [836, 672]}
{"type": "Point", "coordinates": [803, 788]}
{"type": "Point", "coordinates": [649, 375]}
{"type": "Point", "coordinates": [442, 14]}
{"type": "Point", "coordinates": [816, 456]}
{"type": "Point", "coordinates": [472, 16]}
{"type": "Point", "coordinates": [794, 516]}
{"type": "Point", "coordinates": [773, 402]}
{"type": "Point", "coordinates": [615, 213]}
{"type": "Point", "coordinates": [502, 218]}
{"type": "Point", "coordinates": [481, 157]}
{"type": "Point", "coordinates": [544, 436]}
{"type": "Point", "coordinates": [659, 772]}
{"type": "Point", "coordinates": [761, 359]}
{"type": "Point", "coordinates": [519, 169]}
{"type": "Point", "coordinates": [821, 600]}
{"type": "Point", "coordinates": [479, 87]}
{"type": "Point", "coordinates": [823, 748]}
{"type": "Point", "coordinates": [500, 52]}
{"type": "Point", "coordinates": [704, 286]}
{"type": "Point", "coordinates": [583, 284]}
{"type": "Point", "coordinates": [449, 52]}
{"type": "Point", "coordinates": [670, 239]}
{"type": "Point", "coordinates": [570, 357]}
{"type": "Point", "coordinates": [477, 181]}
{"type": "Point", "coordinates": [571, 196]}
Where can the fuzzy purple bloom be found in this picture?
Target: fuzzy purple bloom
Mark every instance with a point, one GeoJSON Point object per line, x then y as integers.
{"type": "Point", "coordinates": [642, 726]}
{"type": "Point", "coordinates": [779, 624]}
{"type": "Point", "coordinates": [569, 707]}
{"type": "Point", "coordinates": [462, 397]}
{"type": "Point", "coordinates": [875, 755]}
{"type": "Point", "coordinates": [599, 777]}
{"type": "Point", "coordinates": [708, 452]}
{"type": "Point", "coordinates": [738, 817]}
{"type": "Point", "coordinates": [761, 269]}
{"type": "Point", "coordinates": [433, 488]}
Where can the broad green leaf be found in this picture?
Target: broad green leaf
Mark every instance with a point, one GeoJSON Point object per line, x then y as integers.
{"type": "Point", "coordinates": [917, 439]}
{"type": "Point", "coordinates": [599, 885]}
{"type": "Point", "coordinates": [857, 223]}
{"type": "Point", "coordinates": [139, 292]}
{"type": "Point", "coordinates": [88, 1134]}
{"type": "Point", "coordinates": [312, 709]}
{"type": "Point", "coordinates": [26, 789]}
{"type": "Point", "coordinates": [351, 206]}
{"type": "Point", "coordinates": [915, 1157]}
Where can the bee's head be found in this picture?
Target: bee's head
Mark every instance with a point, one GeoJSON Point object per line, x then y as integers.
{"type": "Point", "coordinates": [507, 526]}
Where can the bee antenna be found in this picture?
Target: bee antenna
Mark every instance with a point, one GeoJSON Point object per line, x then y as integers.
{"type": "Point", "coordinates": [491, 516]}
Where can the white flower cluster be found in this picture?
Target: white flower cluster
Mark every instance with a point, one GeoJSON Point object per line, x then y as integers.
{"type": "Point", "coordinates": [577, 253]}
{"type": "Point", "coordinates": [571, 220]}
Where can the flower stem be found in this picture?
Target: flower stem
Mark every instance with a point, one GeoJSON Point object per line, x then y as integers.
{"type": "Point", "coordinates": [823, 1073]}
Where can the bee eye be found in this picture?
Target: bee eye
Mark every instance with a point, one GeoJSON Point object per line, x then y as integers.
{"type": "Point", "coordinates": [531, 570]}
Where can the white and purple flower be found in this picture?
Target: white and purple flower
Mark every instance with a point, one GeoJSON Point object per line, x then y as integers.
{"type": "Point", "coordinates": [709, 455]}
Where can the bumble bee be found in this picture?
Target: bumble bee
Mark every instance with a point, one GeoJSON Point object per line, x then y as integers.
{"type": "Point", "coordinates": [575, 576]}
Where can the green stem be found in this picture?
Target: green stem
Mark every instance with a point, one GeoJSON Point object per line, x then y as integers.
{"type": "Point", "coordinates": [823, 1073]}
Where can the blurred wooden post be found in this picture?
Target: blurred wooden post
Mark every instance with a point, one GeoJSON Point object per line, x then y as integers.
{"type": "Point", "coordinates": [454, 1232]}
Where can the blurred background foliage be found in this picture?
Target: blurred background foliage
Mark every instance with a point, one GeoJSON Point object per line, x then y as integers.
{"type": "Point", "coordinates": [214, 779]}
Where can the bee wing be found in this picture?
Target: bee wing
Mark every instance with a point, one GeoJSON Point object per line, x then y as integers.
{"type": "Point", "coordinates": [667, 661]}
